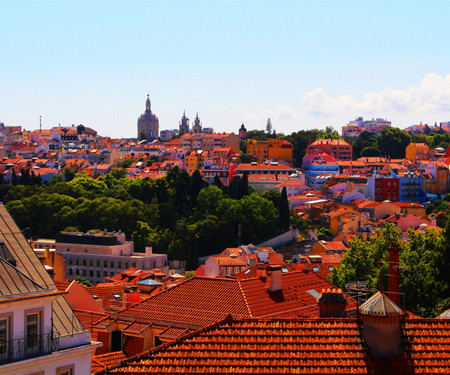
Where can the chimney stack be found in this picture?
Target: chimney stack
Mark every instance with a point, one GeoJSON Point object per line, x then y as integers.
{"type": "Point", "coordinates": [394, 275]}
{"type": "Point", "coordinates": [274, 278]}
{"type": "Point", "coordinates": [332, 303]}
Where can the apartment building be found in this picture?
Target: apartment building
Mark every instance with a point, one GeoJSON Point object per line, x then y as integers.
{"type": "Point", "coordinates": [95, 256]}
{"type": "Point", "coordinates": [39, 332]}
{"type": "Point", "coordinates": [339, 148]}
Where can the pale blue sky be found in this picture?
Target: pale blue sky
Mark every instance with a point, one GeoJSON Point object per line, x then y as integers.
{"type": "Point", "coordinates": [303, 64]}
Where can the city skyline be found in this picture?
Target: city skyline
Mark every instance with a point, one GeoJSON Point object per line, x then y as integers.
{"type": "Point", "coordinates": [303, 64]}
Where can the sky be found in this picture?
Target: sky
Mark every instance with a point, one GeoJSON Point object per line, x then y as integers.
{"type": "Point", "coordinates": [303, 64]}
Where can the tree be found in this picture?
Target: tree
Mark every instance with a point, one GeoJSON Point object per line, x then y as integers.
{"type": "Point", "coordinates": [69, 174]}
{"type": "Point", "coordinates": [370, 151]}
{"type": "Point", "coordinates": [83, 281]}
{"type": "Point", "coordinates": [244, 184]}
{"type": "Point", "coordinates": [197, 184]}
{"type": "Point", "coordinates": [141, 236]}
{"type": "Point", "coordinates": [247, 158]}
{"type": "Point", "coordinates": [269, 127]}
{"type": "Point", "coordinates": [142, 135]}
{"type": "Point", "coordinates": [392, 142]}
{"type": "Point", "coordinates": [324, 234]}
{"type": "Point", "coordinates": [365, 139]}
{"type": "Point", "coordinates": [283, 210]}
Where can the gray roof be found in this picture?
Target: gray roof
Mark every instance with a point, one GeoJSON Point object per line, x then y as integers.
{"type": "Point", "coordinates": [30, 275]}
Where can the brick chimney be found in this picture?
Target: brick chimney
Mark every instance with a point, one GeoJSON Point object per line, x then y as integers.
{"type": "Point", "coordinates": [332, 303]}
{"type": "Point", "coordinates": [273, 280]}
{"type": "Point", "coordinates": [394, 275]}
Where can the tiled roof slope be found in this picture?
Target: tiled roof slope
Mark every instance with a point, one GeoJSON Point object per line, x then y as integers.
{"type": "Point", "coordinates": [322, 346]}
{"type": "Point", "coordinates": [89, 318]}
{"type": "Point", "coordinates": [103, 361]}
{"type": "Point", "coordinates": [64, 320]}
{"type": "Point", "coordinates": [200, 301]}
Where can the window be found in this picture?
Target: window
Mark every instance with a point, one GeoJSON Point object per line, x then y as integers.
{"type": "Point", "coordinates": [4, 333]}
{"type": "Point", "coordinates": [105, 264]}
{"type": "Point", "coordinates": [112, 264]}
{"type": "Point", "coordinates": [98, 274]}
{"type": "Point", "coordinates": [91, 273]}
{"type": "Point", "coordinates": [84, 262]}
{"type": "Point", "coordinates": [98, 263]}
{"type": "Point", "coordinates": [84, 272]}
{"type": "Point", "coordinates": [127, 265]}
{"type": "Point", "coordinates": [66, 370]}
{"type": "Point", "coordinates": [32, 330]}
{"type": "Point", "coordinates": [70, 261]}
{"type": "Point", "coordinates": [91, 262]}
{"type": "Point", "coordinates": [77, 262]}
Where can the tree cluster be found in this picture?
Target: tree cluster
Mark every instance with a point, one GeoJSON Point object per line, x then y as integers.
{"type": "Point", "coordinates": [179, 214]}
{"type": "Point", "coordinates": [391, 142]}
{"type": "Point", "coordinates": [424, 264]}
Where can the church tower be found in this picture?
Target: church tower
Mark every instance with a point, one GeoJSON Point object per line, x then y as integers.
{"type": "Point", "coordinates": [184, 124]}
{"type": "Point", "coordinates": [197, 128]}
{"type": "Point", "coordinates": [148, 123]}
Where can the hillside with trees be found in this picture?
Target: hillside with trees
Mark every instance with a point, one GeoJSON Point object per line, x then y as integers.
{"type": "Point", "coordinates": [179, 214]}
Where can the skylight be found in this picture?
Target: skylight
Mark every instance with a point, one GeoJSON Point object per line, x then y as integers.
{"type": "Point", "coordinates": [316, 269]}
{"type": "Point", "coordinates": [313, 293]}
{"type": "Point", "coordinates": [247, 271]}
{"type": "Point", "coordinates": [284, 270]}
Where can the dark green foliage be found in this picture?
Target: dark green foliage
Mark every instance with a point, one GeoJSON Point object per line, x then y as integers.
{"type": "Point", "coordinates": [69, 174]}
{"type": "Point", "coordinates": [283, 210]}
{"type": "Point", "coordinates": [392, 142]}
{"type": "Point", "coordinates": [324, 234]}
{"type": "Point", "coordinates": [370, 151]}
{"type": "Point", "coordinates": [363, 141]}
{"type": "Point", "coordinates": [424, 272]}
{"type": "Point", "coordinates": [242, 146]}
{"type": "Point", "coordinates": [247, 158]}
{"type": "Point", "coordinates": [259, 135]}
{"type": "Point", "coordinates": [83, 281]}
{"type": "Point", "coordinates": [301, 139]}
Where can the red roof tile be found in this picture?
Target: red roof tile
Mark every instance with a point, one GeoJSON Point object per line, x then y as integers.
{"type": "Point", "coordinates": [322, 346]}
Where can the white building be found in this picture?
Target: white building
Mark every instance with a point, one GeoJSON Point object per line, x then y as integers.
{"type": "Point", "coordinates": [95, 256]}
{"type": "Point", "coordinates": [39, 333]}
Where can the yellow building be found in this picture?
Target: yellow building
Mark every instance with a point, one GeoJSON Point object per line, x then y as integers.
{"type": "Point", "coordinates": [271, 149]}
{"type": "Point", "coordinates": [417, 152]}
{"type": "Point", "coordinates": [195, 160]}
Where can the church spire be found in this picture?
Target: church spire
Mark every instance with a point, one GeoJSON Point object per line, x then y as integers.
{"type": "Point", "coordinates": [148, 104]}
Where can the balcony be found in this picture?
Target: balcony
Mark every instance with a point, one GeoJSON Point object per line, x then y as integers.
{"type": "Point", "coordinates": [25, 348]}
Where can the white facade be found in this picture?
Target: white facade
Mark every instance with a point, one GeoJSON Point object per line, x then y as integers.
{"type": "Point", "coordinates": [94, 261]}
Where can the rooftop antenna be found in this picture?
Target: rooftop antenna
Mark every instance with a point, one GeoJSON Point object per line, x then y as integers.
{"type": "Point", "coordinates": [40, 124]}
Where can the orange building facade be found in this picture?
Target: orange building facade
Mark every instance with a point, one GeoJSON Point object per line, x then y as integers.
{"type": "Point", "coordinates": [271, 149]}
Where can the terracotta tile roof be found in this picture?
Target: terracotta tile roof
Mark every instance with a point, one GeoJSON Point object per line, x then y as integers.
{"type": "Point", "coordinates": [173, 333]}
{"type": "Point", "coordinates": [103, 361]}
{"type": "Point", "coordinates": [62, 285]}
{"type": "Point", "coordinates": [202, 301]}
{"type": "Point", "coordinates": [228, 261]}
{"type": "Point", "coordinates": [89, 318]}
{"type": "Point", "coordinates": [105, 292]}
{"type": "Point", "coordinates": [136, 328]}
{"type": "Point", "coordinates": [322, 346]}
